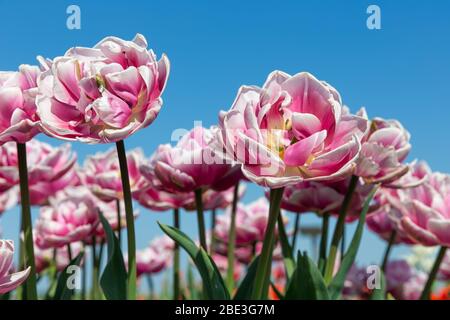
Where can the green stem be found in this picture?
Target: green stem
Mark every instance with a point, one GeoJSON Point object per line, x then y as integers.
{"type": "Point", "coordinates": [433, 273]}
{"type": "Point", "coordinates": [83, 275]}
{"type": "Point", "coordinates": [262, 278]}
{"type": "Point", "coordinates": [324, 240]}
{"type": "Point", "coordinates": [296, 230]}
{"type": "Point", "coordinates": [119, 223]}
{"type": "Point", "coordinates": [95, 270]}
{"type": "Point", "coordinates": [232, 241]}
{"type": "Point", "coordinates": [131, 237]}
{"type": "Point", "coordinates": [388, 250]}
{"type": "Point", "coordinates": [343, 245]}
{"type": "Point", "coordinates": [338, 230]}
{"type": "Point", "coordinates": [69, 252]}
{"type": "Point", "coordinates": [31, 292]}
{"type": "Point", "coordinates": [176, 258]}
{"type": "Point", "coordinates": [201, 219]}
{"type": "Point", "coordinates": [212, 245]}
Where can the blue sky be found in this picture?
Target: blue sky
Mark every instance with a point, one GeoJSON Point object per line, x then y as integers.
{"type": "Point", "coordinates": [401, 71]}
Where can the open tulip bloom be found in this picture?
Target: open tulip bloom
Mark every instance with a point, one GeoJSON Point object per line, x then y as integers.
{"type": "Point", "coordinates": [293, 136]}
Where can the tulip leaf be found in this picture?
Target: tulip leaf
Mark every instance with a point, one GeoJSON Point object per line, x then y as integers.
{"type": "Point", "coordinates": [63, 290]}
{"type": "Point", "coordinates": [379, 293]}
{"type": "Point", "coordinates": [244, 292]}
{"type": "Point", "coordinates": [307, 282]}
{"type": "Point", "coordinates": [336, 285]}
{"type": "Point", "coordinates": [114, 277]}
{"type": "Point", "coordinates": [288, 257]}
{"type": "Point", "coordinates": [213, 284]}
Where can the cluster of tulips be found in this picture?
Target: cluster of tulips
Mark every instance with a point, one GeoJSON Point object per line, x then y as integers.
{"type": "Point", "coordinates": [293, 136]}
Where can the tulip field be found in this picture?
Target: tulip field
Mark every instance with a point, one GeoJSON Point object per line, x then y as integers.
{"type": "Point", "coordinates": [291, 136]}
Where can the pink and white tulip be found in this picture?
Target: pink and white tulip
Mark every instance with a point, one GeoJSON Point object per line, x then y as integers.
{"type": "Point", "coordinates": [73, 215]}
{"type": "Point", "coordinates": [18, 119]}
{"type": "Point", "coordinates": [101, 173]}
{"type": "Point", "coordinates": [9, 281]}
{"type": "Point", "coordinates": [50, 169]}
{"type": "Point", "coordinates": [383, 151]}
{"type": "Point", "coordinates": [191, 164]}
{"type": "Point", "coordinates": [102, 94]}
{"type": "Point", "coordinates": [292, 129]}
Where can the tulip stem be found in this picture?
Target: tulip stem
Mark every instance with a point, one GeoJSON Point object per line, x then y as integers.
{"type": "Point", "coordinates": [339, 228]}
{"type": "Point", "coordinates": [83, 275]}
{"type": "Point", "coordinates": [232, 241]}
{"type": "Point", "coordinates": [69, 252]}
{"type": "Point", "coordinates": [296, 231]}
{"type": "Point", "coordinates": [176, 258]}
{"type": "Point", "coordinates": [201, 219]}
{"type": "Point", "coordinates": [151, 287]}
{"type": "Point", "coordinates": [433, 273]}
{"type": "Point", "coordinates": [388, 250]}
{"type": "Point", "coordinates": [119, 223]}
{"type": "Point", "coordinates": [262, 278]}
{"type": "Point", "coordinates": [213, 236]}
{"type": "Point", "coordinates": [26, 222]}
{"type": "Point", "coordinates": [324, 241]}
{"type": "Point", "coordinates": [95, 269]}
{"type": "Point", "coordinates": [343, 245]}
{"type": "Point", "coordinates": [131, 237]}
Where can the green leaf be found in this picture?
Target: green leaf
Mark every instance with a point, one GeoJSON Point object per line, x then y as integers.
{"type": "Point", "coordinates": [380, 293]}
{"type": "Point", "coordinates": [288, 257]}
{"type": "Point", "coordinates": [213, 284]}
{"type": "Point", "coordinates": [114, 278]}
{"type": "Point", "coordinates": [245, 289]}
{"type": "Point", "coordinates": [336, 285]}
{"type": "Point", "coordinates": [307, 282]}
{"type": "Point", "coordinates": [62, 291]}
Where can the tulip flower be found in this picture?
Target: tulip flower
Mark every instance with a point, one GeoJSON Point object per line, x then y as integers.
{"type": "Point", "coordinates": [292, 129]}
{"type": "Point", "coordinates": [324, 197]}
{"type": "Point", "coordinates": [444, 270]}
{"type": "Point", "coordinates": [222, 264]}
{"type": "Point", "coordinates": [383, 151]}
{"type": "Point", "coordinates": [50, 169]}
{"type": "Point", "coordinates": [403, 281]}
{"type": "Point", "coordinates": [102, 94]}
{"type": "Point", "coordinates": [102, 173]}
{"type": "Point", "coordinates": [9, 281]}
{"type": "Point", "coordinates": [71, 217]}
{"type": "Point", "coordinates": [149, 261]}
{"type": "Point", "coordinates": [190, 166]}
{"type": "Point", "coordinates": [18, 119]}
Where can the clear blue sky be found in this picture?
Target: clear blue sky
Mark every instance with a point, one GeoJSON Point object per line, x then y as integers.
{"type": "Point", "coordinates": [401, 71]}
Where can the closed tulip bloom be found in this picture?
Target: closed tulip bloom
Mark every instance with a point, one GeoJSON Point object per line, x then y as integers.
{"type": "Point", "coordinates": [102, 173]}
{"type": "Point", "coordinates": [50, 169]}
{"type": "Point", "coordinates": [18, 119]}
{"type": "Point", "coordinates": [102, 94]}
{"type": "Point", "coordinates": [191, 164]}
{"type": "Point", "coordinates": [72, 216]}
{"type": "Point", "coordinates": [292, 129]}
{"type": "Point", "coordinates": [9, 281]}
{"type": "Point", "coordinates": [384, 149]}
